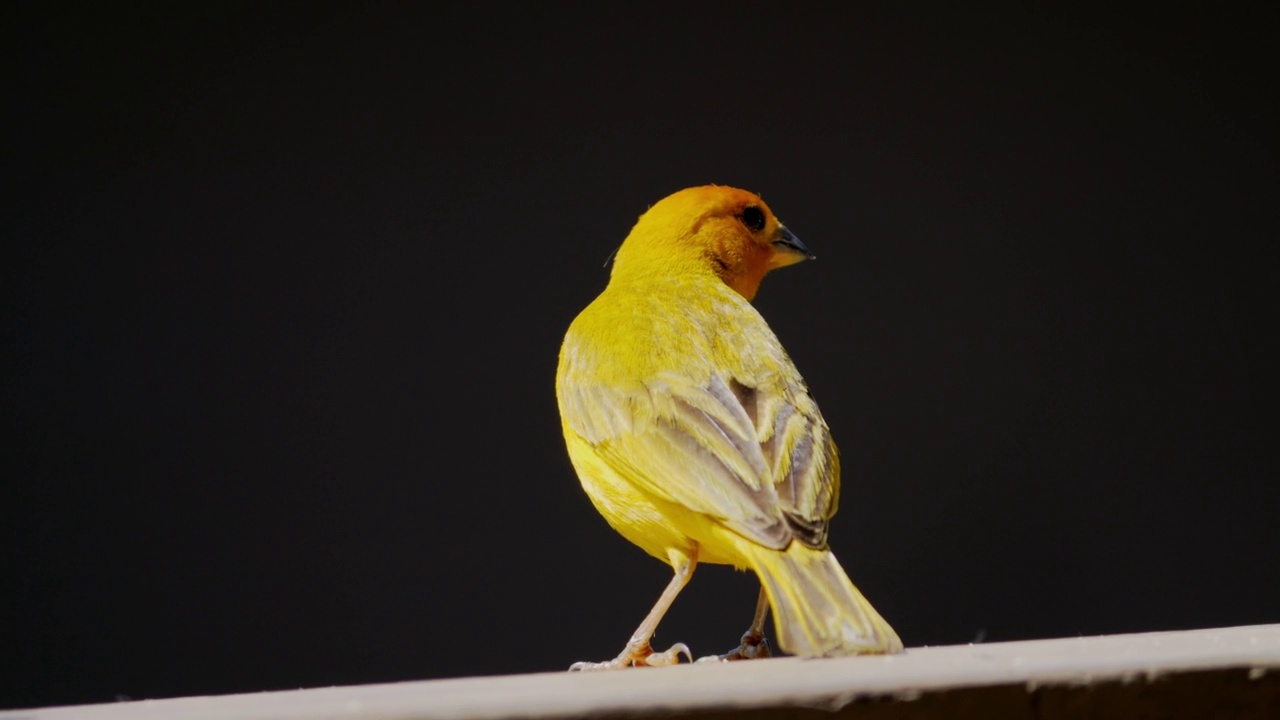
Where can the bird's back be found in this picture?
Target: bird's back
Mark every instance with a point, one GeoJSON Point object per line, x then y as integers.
{"type": "Point", "coordinates": [678, 387]}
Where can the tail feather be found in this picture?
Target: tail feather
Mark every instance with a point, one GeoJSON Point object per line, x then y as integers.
{"type": "Point", "coordinates": [816, 609]}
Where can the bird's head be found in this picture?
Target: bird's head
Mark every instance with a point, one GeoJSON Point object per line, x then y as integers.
{"type": "Point", "coordinates": [725, 231]}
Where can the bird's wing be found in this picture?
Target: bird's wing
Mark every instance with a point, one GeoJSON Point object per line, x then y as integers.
{"type": "Point", "coordinates": [759, 459]}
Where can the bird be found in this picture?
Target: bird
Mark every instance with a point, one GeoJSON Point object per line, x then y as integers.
{"type": "Point", "coordinates": [694, 435]}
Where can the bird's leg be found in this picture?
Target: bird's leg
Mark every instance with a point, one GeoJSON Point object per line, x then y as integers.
{"type": "Point", "coordinates": [637, 651]}
{"type": "Point", "coordinates": [753, 644]}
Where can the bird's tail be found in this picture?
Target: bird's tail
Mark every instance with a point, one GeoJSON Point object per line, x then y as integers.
{"type": "Point", "coordinates": [816, 609]}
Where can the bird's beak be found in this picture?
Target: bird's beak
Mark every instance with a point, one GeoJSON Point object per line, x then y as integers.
{"type": "Point", "coordinates": [787, 249]}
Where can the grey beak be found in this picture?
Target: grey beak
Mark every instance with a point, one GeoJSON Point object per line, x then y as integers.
{"type": "Point", "coordinates": [787, 239]}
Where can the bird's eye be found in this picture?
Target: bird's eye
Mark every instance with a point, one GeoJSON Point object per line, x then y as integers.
{"type": "Point", "coordinates": [753, 217]}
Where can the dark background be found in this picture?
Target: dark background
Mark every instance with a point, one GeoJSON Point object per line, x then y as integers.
{"type": "Point", "coordinates": [288, 287]}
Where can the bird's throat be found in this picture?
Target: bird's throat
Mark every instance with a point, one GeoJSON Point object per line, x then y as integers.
{"type": "Point", "coordinates": [744, 274]}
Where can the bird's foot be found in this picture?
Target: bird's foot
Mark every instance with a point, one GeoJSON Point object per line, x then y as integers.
{"type": "Point", "coordinates": [753, 646]}
{"type": "Point", "coordinates": [638, 656]}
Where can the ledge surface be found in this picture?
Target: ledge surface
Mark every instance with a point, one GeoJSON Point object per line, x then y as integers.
{"type": "Point", "coordinates": [1242, 664]}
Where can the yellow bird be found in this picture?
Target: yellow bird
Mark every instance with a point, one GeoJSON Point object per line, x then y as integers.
{"type": "Point", "coordinates": [696, 438]}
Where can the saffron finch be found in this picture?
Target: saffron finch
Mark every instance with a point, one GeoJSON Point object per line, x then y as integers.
{"type": "Point", "coordinates": [696, 438]}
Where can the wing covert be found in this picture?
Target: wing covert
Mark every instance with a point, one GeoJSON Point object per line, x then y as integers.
{"type": "Point", "coordinates": [759, 459]}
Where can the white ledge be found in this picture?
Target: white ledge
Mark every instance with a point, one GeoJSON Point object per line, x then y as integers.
{"type": "Point", "coordinates": [1247, 659]}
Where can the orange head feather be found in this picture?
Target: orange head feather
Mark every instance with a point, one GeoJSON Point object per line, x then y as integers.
{"type": "Point", "coordinates": [714, 229]}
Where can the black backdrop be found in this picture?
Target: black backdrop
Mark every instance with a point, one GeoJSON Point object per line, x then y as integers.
{"type": "Point", "coordinates": [289, 286]}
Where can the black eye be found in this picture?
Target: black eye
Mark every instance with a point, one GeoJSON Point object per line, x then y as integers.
{"type": "Point", "coordinates": [753, 217]}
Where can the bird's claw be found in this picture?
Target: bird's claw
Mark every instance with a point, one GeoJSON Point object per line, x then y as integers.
{"type": "Point", "coordinates": [753, 646]}
{"type": "Point", "coordinates": [642, 656]}
{"type": "Point", "coordinates": [670, 657]}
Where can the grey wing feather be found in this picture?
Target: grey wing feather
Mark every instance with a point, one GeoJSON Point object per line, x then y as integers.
{"type": "Point", "coordinates": [762, 463]}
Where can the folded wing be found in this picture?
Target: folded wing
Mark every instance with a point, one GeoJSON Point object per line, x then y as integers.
{"type": "Point", "coordinates": [757, 457]}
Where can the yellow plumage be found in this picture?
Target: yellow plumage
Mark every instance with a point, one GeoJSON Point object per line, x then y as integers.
{"type": "Point", "coordinates": [692, 432]}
